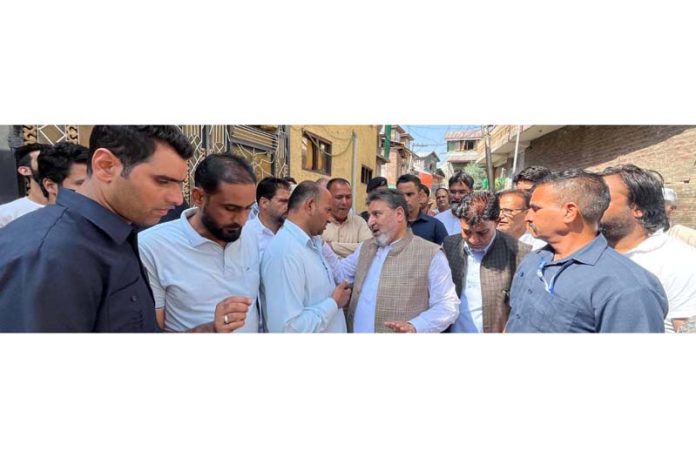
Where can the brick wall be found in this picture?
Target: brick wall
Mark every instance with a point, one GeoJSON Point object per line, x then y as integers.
{"type": "Point", "coordinates": [670, 150]}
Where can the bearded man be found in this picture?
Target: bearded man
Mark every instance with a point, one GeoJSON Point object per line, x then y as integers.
{"type": "Point", "coordinates": [200, 259]}
{"type": "Point", "coordinates": [401, 283]}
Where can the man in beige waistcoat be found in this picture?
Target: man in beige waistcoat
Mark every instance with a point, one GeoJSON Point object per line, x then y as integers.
{"type": "Point", "coordinates": [401, 283]}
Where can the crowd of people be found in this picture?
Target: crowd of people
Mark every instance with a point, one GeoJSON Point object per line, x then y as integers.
{"type": "Point", "coordinates": [103, 241]}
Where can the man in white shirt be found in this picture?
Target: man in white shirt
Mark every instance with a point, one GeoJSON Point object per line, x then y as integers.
{"type": "Point", "coordinates": [513, 210]}
{"type": "Point", "coordinates": [27, 168]}
{"type": "Point", "coordinates": [442, 200]}
{"type": "Point", "coordinates": [345, 230]}
{"type": "Point", "coordinates": [402, 283]}
{"type": "Point", "coordinates": [299, 292]}
{"type": "Point", "coordinates": [200, 260]}
{"type": "Point", "coordinates": [460, 184]}
{"type": "Point", "coordinates": [65, 166]}
{"type": "Point", "coordinates": [633, 225]}
{"type": "Point", "coordinates": [685, 233]}
{"type": "Point", "coordinates": [272, 196]}
{"type": "Point", "coordinates": [483, 261]}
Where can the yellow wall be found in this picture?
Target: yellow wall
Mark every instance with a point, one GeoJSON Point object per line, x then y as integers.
{"type": "Point", "coordinates": [342, 152]}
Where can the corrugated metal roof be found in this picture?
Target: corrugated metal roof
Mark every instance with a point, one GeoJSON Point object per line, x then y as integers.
{"type": "Point", "coordinates": [471, 134]}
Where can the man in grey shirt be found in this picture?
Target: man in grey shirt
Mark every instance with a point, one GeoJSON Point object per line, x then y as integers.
{"type": "Point", "coordinates": [577, 283]}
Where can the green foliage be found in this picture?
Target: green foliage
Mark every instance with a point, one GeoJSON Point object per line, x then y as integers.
{"type": "Point", "coordinates": [499, 184]}
{"type": "Point", "coordinates": [478, 172]}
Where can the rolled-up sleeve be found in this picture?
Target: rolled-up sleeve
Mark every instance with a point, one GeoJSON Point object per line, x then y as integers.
{"type": "Point", "coordinates": [444, 304]}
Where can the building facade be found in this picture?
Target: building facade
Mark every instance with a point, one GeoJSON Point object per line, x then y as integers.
{"type": "Point", "coordinates": [332, 151]}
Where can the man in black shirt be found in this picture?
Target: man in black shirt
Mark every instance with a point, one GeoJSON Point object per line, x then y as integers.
{"type": "Point", "coordinates": [74, 266]}
{"type": "Point", "coordinates": [421, 224]}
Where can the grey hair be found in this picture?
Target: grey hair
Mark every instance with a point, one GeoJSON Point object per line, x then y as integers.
{"type": "Point", "coordinates": [587, 190]}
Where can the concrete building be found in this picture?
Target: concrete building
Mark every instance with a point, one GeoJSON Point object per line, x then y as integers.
{"type": "Point", "coordinates": [426, 165]}
{"type": "Point", "coordinates": [461, 147]}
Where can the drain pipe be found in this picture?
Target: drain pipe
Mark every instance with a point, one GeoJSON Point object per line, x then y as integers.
{"type": "Point", "coordinates": [517, 148]}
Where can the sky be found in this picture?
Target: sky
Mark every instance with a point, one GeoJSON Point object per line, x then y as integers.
{"type": "Point", "coordinates": [429, 138]}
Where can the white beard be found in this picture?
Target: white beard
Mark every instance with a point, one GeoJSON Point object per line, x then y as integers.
{"type": "Point", "coordinates": [382, 240]}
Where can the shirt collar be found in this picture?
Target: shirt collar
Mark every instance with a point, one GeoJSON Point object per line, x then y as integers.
{"type": "Point", "coordinates": [258, 225]}
{"type": "Point", "coordinates": [298, 233]}
{"type": "Point", "coordinates": [420, 217]}
{"type": "Point", "coordinates": [653, 242]}
{"type": "Point", "coordinates": [589, 254]}
{"type": "Point", "coordinates": [115, 226]}
{"type": "Point", "coordinates": [337, 223]}
{"type": "Point", "coordinates": [192, 235]}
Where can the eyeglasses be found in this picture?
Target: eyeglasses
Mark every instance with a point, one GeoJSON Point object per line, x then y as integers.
{"type": "Point", "coordinates": [511, 211]}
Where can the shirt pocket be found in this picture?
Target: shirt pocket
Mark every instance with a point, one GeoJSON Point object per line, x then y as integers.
{"type": "Point", "coordinates": [552, 314]}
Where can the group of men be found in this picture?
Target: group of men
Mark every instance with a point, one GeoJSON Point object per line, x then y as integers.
{"type": "Point", "coordinates": [569, 251]}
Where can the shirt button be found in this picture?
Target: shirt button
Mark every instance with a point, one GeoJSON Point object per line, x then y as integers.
{"type": "Point", "coordinates": [134, 298]}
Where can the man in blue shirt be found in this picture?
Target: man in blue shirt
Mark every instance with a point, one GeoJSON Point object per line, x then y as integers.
{"type": "Point", "coordinates": [577, 283]}
{"type": "Point", "coordinates": [421, 224]}
{"type": "Point", "coordinates": [298, 289]}
{"type": "Point", "coordinates": [74, 266]}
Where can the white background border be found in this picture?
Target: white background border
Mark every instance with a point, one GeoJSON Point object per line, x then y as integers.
{"type": "Point", "coordinates": [538, 62]}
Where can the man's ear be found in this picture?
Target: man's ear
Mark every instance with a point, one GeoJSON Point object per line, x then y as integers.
{"type": "Point", "coordinates": [24, 170]}
{"type": "Point", "coordinates": [263, 202]}
{"type": "Point", "coordinates": [198, 197]}
{"type": "Point", "coordinates": [571, 212]}
{"type": "Point", "coordinates": [310, 204]}
{"type": "Point", "coordinates": [637, 213]}
{"type": "Point", "coordinates": [105, 165]}
{"type": "Point", "coordinates": [400, 211]}
{"type": "Point", "coordinates": [50, 186]}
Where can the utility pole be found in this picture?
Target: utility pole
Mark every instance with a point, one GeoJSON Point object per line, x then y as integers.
{"type": "Point", "coordinates": [354, 173]}
{"type": "Point", "coordinates": [489, 159]}
{"type": "Point", "coordinates": [517, 149]}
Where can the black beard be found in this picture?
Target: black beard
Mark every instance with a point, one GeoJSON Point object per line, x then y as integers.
{"type": "Point", "coordinates": [227, 235]}
{"type": "Point", "coordinates": [614, 231]}
{"type": "Point", "coordinates": [35, 175]}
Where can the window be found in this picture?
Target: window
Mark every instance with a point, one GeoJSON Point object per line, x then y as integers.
{"type": "Point", "coordinates": [451, 146]}
{"type": "Point", "coordinates": [316, 154]}
{"type": "Point", "coordinates": [469, 144]}
{"type": "Point", "coordinates": [365, 174]}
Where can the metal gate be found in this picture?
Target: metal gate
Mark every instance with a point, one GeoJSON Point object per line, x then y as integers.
{"type": "Point", "coordinates": [264, 146]}
{"type": "Point", "coordinates": [50, 134]}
